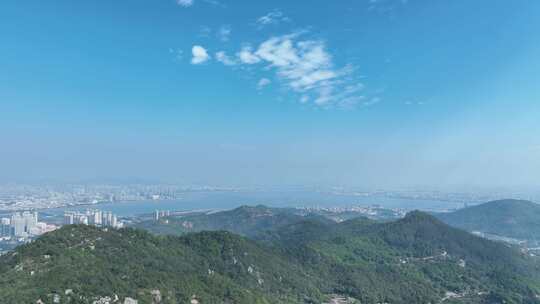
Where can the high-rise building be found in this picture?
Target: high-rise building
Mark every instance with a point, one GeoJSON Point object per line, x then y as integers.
{"type": "Point", "coordinates": [23, 224]}
{"type": "Point", "coordinates": [114, 221]}
{"type": "Point", "coordinates": [161, 213]}
{"type": "Point", "coordinates": [5, 227]}
{"type": "Point", "coordinates": [69, 218]}
{"type": "Point", "coordinates": [82, 219]}
{"type": "Point", "coordinates": [77, 218]}
{"type": "Point", "coordinates": [30, 221]}
{"type": "Point", "coordinates": [105, 218]}
{"type": "Point", "coordinates": [98, 217]}
{"type": "Point", "coordinates": [92, 217]}
{"type": "Point", "coordinates": [18, 224]}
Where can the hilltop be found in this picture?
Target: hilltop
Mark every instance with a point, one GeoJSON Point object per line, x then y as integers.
{"type": "Point", "coordinates": [81, 264]}
{"type": "Point", "coordinates": [245, 220]}
{"type": "Point", "coordinates": [417, 259]}
{"type": "Point", "coordinates": [517, 219]}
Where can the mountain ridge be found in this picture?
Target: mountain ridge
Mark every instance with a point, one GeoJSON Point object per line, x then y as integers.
{"type": "Point", "coordinates": [245, 220]}
{"type": "Point", "coordinates": [417, 259]}
{"type": "Point", "coordinates": [519, 219]}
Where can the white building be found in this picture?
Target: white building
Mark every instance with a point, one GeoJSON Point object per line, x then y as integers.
{"type": "Point", "coordinates": [30, 221]}
{"type": "Point", "coordinates": [5, 227]}
{"type": "Point", "coordinates": [18, 225]}
{"type": "Point", "coordinates": [68, 218]}
{"type": "Point", "coordinates": [92, 217]}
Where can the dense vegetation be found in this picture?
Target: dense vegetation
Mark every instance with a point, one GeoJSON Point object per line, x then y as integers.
{"type": "Point", "coordinates": [246, 220]}
{"type": "Point", "coordinates": [510, 218]}
{"type": "Point", "coordinates": [414, 260]}
{"type": "Point", "coordinates": [249, 220]}
{"type": "Point", "coordinates": [213, 267]}
{"type": "Point", "coordinates": [417, 259]}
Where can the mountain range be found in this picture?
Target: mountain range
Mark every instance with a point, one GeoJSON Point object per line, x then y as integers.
{"type": "Point", "coordinates": [276, 259]}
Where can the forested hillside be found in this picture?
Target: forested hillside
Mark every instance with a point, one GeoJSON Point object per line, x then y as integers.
{"type": "Point", "coordinates": [246, 220]}
{"type": "Point", "coordinates": [517, 219]}
{"type": "Point", "coordinates": [417, 259]}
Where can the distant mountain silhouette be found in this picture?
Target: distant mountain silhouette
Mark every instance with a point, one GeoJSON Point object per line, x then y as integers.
{"type": "Point", "coordinates": [518, 219]}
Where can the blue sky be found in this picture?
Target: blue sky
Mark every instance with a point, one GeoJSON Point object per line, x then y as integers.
{"type": "Point", "coordinates": [386, 93]}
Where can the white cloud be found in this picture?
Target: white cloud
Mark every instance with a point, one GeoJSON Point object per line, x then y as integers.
{"type": "Point", "coordinates": [325, 95]}
{"type": "Point", "coordinates": [185, 3]}
{"type": "Point", "coordinates": [224, 33]}
{"type": "Point", "coordinates": [178, 54]}
{"type": "Point", "coordinates": [263, 82]}
{"type": "Point", "coordinates": [274, 17]}
{"type": "Point", "coordinates": [305, 67]}
{"type": "Point", "coordinates": [372, 101]}
{"type": "Point", "coordinates": [409, 103]}
{"type": "Point", "coordinates": [247, 56]}
{"type": "Point", "coordinates": [353, 88]}
{"type": "Point", "coordinates": [188, 3]}
{"type": "Point", "coordinates": [223, 58]}
{"type": "Point", "coordinates": [200, 55]}
{"type": "Point", "coordinates": [279, 52]}
{"type": "Point", "coordinates": [204, 31]}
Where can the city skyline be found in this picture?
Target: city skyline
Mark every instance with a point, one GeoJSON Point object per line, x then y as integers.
{"type": "Point", "coordinates": [381, 94]}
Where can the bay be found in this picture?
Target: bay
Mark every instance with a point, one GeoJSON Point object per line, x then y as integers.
{"type": "Point", "coordinates": [216, 200]}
